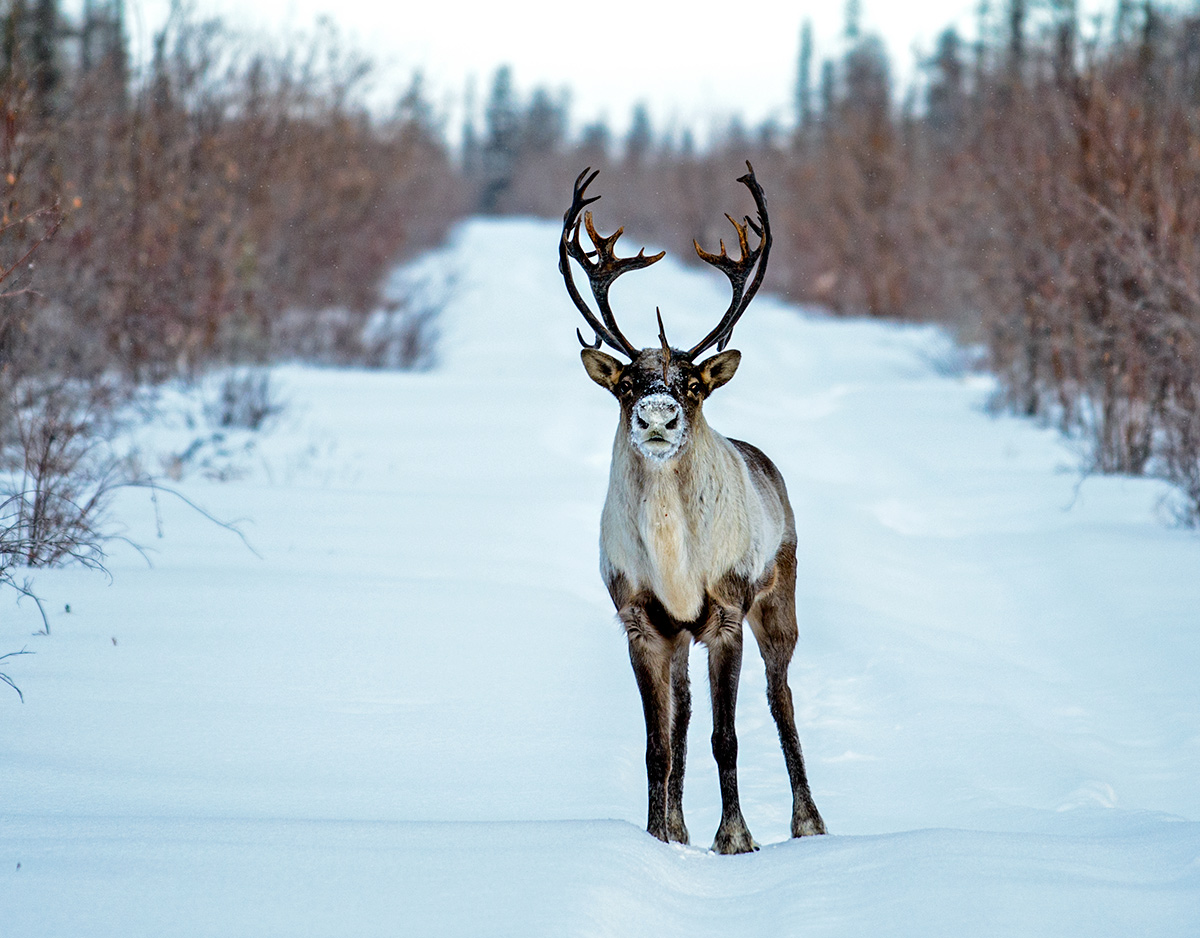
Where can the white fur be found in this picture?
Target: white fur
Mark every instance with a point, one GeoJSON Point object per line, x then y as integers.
{"type": "Point", "coordinates": [678, 533]}
{"type": "Point", "coordinates": [655, 441]}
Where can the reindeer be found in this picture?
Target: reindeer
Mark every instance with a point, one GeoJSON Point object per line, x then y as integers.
{"type": "Point", "coordinates": [697, 533]}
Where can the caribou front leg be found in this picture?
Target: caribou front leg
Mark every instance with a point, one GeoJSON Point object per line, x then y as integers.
{"type": "Point", "coordinates": [682, 697]}
{"type": "Point", "coordinates": [650, 653]}
{"type": "Point", "coordinates": [724, 640]}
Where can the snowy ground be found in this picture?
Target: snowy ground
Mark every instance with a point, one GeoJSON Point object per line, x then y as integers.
{"type": "Point", "coordinates": [414, 714]}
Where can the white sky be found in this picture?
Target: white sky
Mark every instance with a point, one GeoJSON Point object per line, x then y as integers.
{"type": "Point", "coordinates": [693, 63]}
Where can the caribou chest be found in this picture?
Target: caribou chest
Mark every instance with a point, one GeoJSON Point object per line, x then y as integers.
{"type": "Point", "coordinates": [677, 527]}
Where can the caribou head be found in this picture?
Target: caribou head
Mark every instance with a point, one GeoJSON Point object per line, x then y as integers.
{"type": "Point", "coordinates": [661, 389]}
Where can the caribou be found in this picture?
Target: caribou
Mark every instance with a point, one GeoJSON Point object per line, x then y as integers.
{"type": "Point", "coordinates": [697, 534]}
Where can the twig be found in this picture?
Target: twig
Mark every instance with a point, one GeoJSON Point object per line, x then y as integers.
{"type": "Point", "coordinates": [26, 589]}
{"type": "Point", "coordinates": [8, 680]}
{"type": "Point", "coordinates": [49, 233]}
{"type": "Point", "coordinates": [227, 525]}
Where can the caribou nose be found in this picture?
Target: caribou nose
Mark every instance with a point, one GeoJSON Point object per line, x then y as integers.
{"type": "Point", "coordinates": [657, 414]}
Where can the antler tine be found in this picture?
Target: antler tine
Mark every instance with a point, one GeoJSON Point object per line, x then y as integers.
{"type": "Point", "coordinates": [666, 346]}
{"type": "Point", "coordinates": [591, 345]}
{"type": "Point", "coordinates": [602, 271]}
{"type": "Point", "coordinates": [738, 271]}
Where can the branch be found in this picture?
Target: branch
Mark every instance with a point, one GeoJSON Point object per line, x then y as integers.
{"type": "Point", "coordinates": [46, 236]}
{"type": "Point", "coordinates": [227, 525]}
{"type": "Point", "coordinates": [26, 589]}
{"type": "Point", "coordinates": [8, 680]}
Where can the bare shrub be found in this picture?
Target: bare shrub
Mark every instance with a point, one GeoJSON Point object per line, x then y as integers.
{"type": "Point", "coordinates": [401, 334]}
{"type": "Point", "coordinates": [246, 398]}
{"type": "Point", "coordinates": [1179, 453]}
{"type": "Point", "coordinates": [404, 333]}
{"type": "Point", "coordinates": [60, 477]}
{"type": "Point", "coordinates": [403, 337]}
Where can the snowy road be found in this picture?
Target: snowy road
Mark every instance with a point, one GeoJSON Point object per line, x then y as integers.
{"type": "Point", "coordinates": [414, 715]}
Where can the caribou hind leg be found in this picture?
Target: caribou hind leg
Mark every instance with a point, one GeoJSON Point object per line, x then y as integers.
{"type": "Point", "coordinates": [724, 640]}
{"type": "Point", "coordinates": [773, 620]}
{"type": "Point", "coordinates": [681, 694]}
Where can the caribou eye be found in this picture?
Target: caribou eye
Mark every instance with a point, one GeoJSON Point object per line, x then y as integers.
{"type": "Point", "coordinates": [694, 388]}
{"type": "Point", "coordinates": [625, 387]}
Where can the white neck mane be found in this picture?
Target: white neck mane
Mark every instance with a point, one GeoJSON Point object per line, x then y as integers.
{"type": "Point", "coordinates": [677, 526]}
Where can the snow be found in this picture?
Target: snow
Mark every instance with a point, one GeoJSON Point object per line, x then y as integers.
{"type": "Point", "coordinates": [412, 713]}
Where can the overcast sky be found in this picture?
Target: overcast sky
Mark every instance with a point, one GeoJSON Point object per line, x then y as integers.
{"type": "Point", "coordinates": [692, 63]}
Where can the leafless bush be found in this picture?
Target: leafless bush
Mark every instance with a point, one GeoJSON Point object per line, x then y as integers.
{"type": "Point", "coordinates": [245, 399]}
{"type": "Point", "coordinates": [1179, 453]}
{"type": "Point", "coordinates": [60, 477]}
{"type": "Point", "coordinates": [401, 334]}
{"type": "Point", "coordinates": [402, 337]}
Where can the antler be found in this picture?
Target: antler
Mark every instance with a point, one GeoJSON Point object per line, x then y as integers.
{"type": "Point", "coordinates": [601, 272]}
{"type": "Point", "coordinates": [739, 270]}
{"type": "Point", "coordinates": [666, 346]}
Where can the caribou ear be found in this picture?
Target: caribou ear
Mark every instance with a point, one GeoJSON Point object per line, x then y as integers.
{"type": "Point", "coordinates": [715, 371]}
{"type": "Point", "coordinates": [603, 369]}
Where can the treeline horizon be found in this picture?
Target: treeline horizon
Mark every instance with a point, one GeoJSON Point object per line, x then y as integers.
{"type": "Point", "coordinates": [1036, 190]}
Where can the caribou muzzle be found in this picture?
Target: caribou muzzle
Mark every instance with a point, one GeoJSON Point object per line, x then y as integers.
{"type": "Point", "coordinates": [657, 427]}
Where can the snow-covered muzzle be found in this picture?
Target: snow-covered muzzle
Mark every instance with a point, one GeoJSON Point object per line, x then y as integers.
{"type": "Point", "coordinates": [658, 426]}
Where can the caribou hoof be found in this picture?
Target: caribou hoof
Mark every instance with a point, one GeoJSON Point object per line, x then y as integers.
{"type": "Point", "coordinates": [676, 830]}
{"type": "Point", "coordinates": [734, 840]}
{"type": "Point", "coordinates": [808, 825]}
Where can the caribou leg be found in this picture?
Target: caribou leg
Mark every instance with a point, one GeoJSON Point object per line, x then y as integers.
{"type": "Point", "coordinates": [682, 695]}
{"type": "Point", "coordinates": [724, 641]}
{"type": "Point", "coordinates": [650, 654]}
{"type": "Point", "coordinates": [773, 619]}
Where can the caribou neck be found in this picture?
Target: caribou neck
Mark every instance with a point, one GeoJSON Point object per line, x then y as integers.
{"type": "Point", "coordinates": [675, 526]}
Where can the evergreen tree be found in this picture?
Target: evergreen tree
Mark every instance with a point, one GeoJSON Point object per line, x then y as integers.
{"type": "Point", "coordinates": [946, 101]}
{"type": "Point", "coordinates": [828, 91]}
{"type": "Point", "coordinates": [868, 80]}
{"type": "Point", "coordinates": [13, 27]}
{"type": "Point", "coordinates": [1066, 30]}
{"type": "Point", "coordinates": [853, 20]}
{"type": "Point", "coordinates": [1016, 40]}
{"type": "Point", "coordinates": [470, 135]}
{"type": "Point", "coordinates": [1121, 20]}
{"type": "Point", "coordinates": [501, 140]}
{"type": "Point", "coordinates": [544, 126]}
{"type": "Point", "coordinates": [640, 139]}
{"type": "Point", "coordinates": [43, 58]}
{"type": "Point", "coordinates": [595, 140]}
{"type": "Point", "coordinates": [803, 99]}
